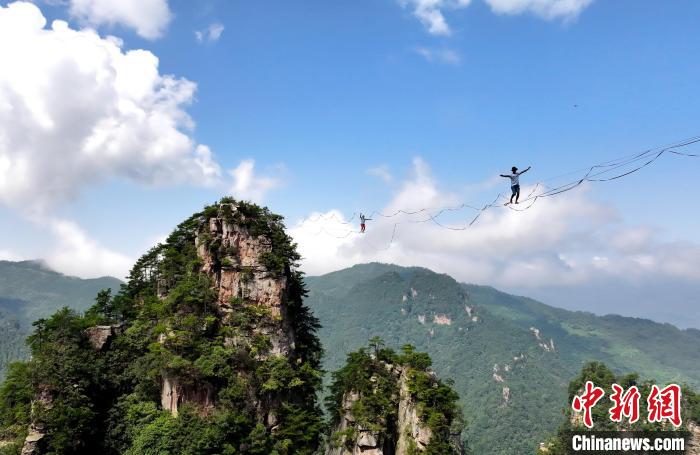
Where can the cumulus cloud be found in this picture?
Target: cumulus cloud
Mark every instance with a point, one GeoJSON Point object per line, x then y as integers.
{"type": "Point", "coordinates": [211, 34]}
{"type": "Point", "coordinates": [149, 18]}
{"type": "Point", "coordinates": [430, 13]}
{"type": "Point", "coordinates": [76, 109]}
{"type": "Point", "coordinates": [75, 253]}
{"type": "Point", "coordinates": [448, 56]}
{"type": "Point", "coordinates": [546, 9]}
{"type": "Point", "coordinates": [564, 240]}
{"type": "Point", "coordinates": [249, 185]}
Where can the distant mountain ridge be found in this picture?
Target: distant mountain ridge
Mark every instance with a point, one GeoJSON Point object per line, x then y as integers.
{"type": "Point", "coordinates": [30, 290]}
{"type": "Point", "coordinates": [511, 357]}
{"type": "Point", "coordinates": [42, 290]}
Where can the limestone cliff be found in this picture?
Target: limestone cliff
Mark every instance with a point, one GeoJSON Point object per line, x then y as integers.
{"type": "Point", "coordinates": [693, 447]}
{"type": "Point", "coordinates": [241, 269]}
{"type": "Point", "coordinates": [34, 442]}
{"type": "Point", "coordinates": [237, 261]}
{"type": "Point", "coordinates": [413, 432]}
{"type": "Point", "coordinates": [388, 404]}
{"type": "Point", "coordinates": [210, 328]}
{"type": "Point", "coordinates": [209, 349]}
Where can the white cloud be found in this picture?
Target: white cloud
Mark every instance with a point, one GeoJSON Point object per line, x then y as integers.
{"type": "Point", "coordinates": [381, 172]}
{"type": "Point", "coordinates": [448, 56]}
{"type": "Point", "coordinates": [431, 15]}
{"type": "Point", "coordinates": [250, 186]}
{"type": "Point", "coordinates": [546, 9]}
{"type": "Point", "coordinates": [210, 34]}
{"type": "Point", "coordinates": [76, 109]}
{"type": "Point", "coordinates": [149, 18]}
{"type": "Point", "coordinates": [7, 255]}
{"type": "Point", "coordinates": [560, 241]}
{"type": "Point", "coordinates": [74, 253]}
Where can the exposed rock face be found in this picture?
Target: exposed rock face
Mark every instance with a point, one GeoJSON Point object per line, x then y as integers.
{"type": "Point", "coordinates": [37, 430]}
{"type": "Point", "coordinates": [506, 395]}
{"type": "Point", "coordinates": [547, 347]}
{"type": "Point", "coordinates": [406, 434]}
{"type": "Point", "coordinates": [411, 430]}
{"type": "Point", "coordinates": [693, 447]}
{"type": "Point", "coordinates": [213, 318]}
{"type": "Point", "coordinates": [32, 443]}
{"type": "Point", "coordinates": [101, 335]}
{"type": "Point", "coordinates": [173, 393]}
{"type": "Point", "coordinates": [239, 273]}
{"type": "Point", "coordinates": [365, 442]}
{"type": "Point", "coordinates": [442, 319]}
{"type": "Point", "coordinates": [234, 260]}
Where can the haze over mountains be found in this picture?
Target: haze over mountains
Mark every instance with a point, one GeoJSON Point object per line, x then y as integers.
{"type": "Point", "coordinates": [511, 357]}
{"type": "Point", "coordinates": [29, 290]}
{"type": "Point", "coordinates": [673, 301]}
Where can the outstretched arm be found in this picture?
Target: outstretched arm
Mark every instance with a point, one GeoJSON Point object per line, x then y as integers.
{"type": "Point", "coordinates": [504, 176]}
{"type": "Point", "coordinates": [528, 168]}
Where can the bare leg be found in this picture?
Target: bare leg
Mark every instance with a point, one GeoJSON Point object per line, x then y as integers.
{"type": "Point", "coordinates": [517, 195]}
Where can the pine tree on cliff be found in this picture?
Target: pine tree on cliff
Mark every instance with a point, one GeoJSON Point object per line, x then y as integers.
{"type": "Point", "coordinates": [382, 402]}
{"type": "Point", "coordinates": [207, 349]}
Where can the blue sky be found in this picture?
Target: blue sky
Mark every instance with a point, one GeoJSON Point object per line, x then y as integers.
{"type": "Point", "coordinates": [442, 95]}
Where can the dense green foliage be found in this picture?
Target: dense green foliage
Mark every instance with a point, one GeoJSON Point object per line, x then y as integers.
{"type": "Point", "coordinates": [357, 303]}
{"type": "Point", "coordinates": [168, 327]}
{"type": "Point", "coordinates": [372, 376]}
{"type": "Point", "coordinates": [118, 390]}
{"type": "Point", "coordinates": [29, 291]}
{"type": "Point", "coordinates": [603, 377]}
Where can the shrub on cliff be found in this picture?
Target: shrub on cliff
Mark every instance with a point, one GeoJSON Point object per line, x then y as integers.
{"type": "Point", "coordinates": [108, 400]}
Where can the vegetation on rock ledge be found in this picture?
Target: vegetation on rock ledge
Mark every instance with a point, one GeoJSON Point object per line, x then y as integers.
{"type": "Point", "coordinates": [368, 389]}
{"type": "Point", "coordinates": [109, 401]}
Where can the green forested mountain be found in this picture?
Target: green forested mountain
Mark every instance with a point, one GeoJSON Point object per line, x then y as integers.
{"type": "Point", "coordinates": [209, 349]}
{"type": "Point", "coordinates": [512, 384]}
{"type": "Point", "coordinates": [511, 358]}
{"type": "Point", "coordinates": [28, 291]}
{"type": "Point", "coordinates": [189, 357]}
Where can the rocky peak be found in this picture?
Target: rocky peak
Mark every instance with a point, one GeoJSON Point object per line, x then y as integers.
{"type": "Point", "coordinates": [246, 270]}
{"type": "Point", "coordinates": [246, 257]}
{"type": "Point", "coordinates": [210, 326]}
{"type": "Point", "coordinates": [378, 407]}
